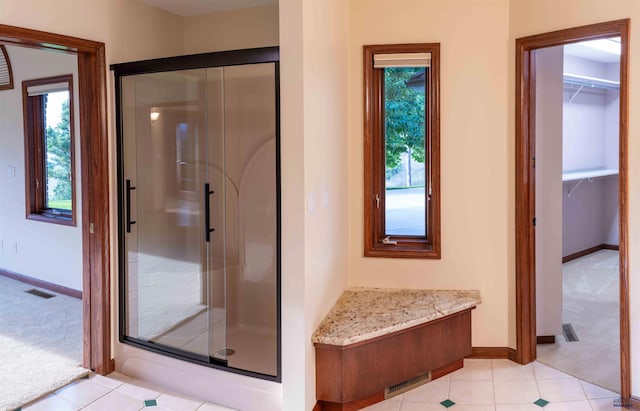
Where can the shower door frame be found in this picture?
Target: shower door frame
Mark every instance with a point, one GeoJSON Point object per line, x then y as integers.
{"type": "Point", "coordinates": [178, 63]}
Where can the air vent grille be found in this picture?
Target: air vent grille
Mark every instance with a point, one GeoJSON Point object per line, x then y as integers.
{"type": "Point", "coordinates": [39, 293]}
{"type": "Point", "coordinates": [569, 333]}
{"type": "Point", "coordinates": [407, 385]}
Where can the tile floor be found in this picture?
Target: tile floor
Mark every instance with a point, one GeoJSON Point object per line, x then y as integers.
{"type": "Point", "coordinates": [482, 385]}
{"type": "Point", "coordinates": [502, 385]}
{"type": "Point", "coordinates": [117, 392]}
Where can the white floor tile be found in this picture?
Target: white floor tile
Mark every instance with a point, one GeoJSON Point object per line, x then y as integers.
{"type": "Point", "coordinates": [207, 406]}
{"type": "Point", "coordinates": [178, 402]}
{"type": "Point", "coordinates": [568, 406]}
{"type": "Point", "coordinates": [116, 401]}
{"type": "Point", "coordinates": [594, 391]}
{"type": "Point", "coordinates": [560, 390]}
{"type": "Point", "coordinates": [386, 405]}
{"type": "Point", "coordinates": [472, 373]}
{"type": "Point", "coordinates": [505, 370]}
{"type": "Point", "coordinates": [431, 393]}
{"type": "Point", "coordinates": [465, 407]}
{"type": "Point", "coordinates": [543, 372]}
{"type": "Point", "coordinates": [518, 407]}
{"type": "Point", "coordinates": [516, 392]}
{"type": "Point", "coordinates": [84, 392]}
{"type": "Point", "coordinates": [111, 381]}
{"type": "Point", "coordinates": [418, 406]}
{"type": "Point", "coordinates": [471, 392]}
{"type": "Point", "coordinates": [606, 404]}
{"type": "Point", "coordinates": [52, 402]}
{"type": "Point", "coordinates": [139, 392]}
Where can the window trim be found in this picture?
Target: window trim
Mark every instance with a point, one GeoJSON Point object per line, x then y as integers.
{"type": "Point", "coordinates": [374, 161]}
{"type": "Point", "coordinates": [35, 198]}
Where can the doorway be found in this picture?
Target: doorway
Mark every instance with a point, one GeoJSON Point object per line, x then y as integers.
{"type": "Point", "coordinates": [526, 211]}
{"type": "Point", "coordinates": [94, 185]}
{"type": "Point", "coordinates": [577, 270]}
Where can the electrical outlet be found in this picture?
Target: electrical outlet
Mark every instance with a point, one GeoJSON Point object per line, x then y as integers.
{"type": "Point", "coordinates": [14, 247]}
{"type": "Point", "coordinates": [11, 171]}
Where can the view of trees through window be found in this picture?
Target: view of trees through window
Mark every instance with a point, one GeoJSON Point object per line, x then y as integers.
{"type": "Point", "coordinates": [405, 150]}
{"type": "Point", "coordinates": [58, 151]}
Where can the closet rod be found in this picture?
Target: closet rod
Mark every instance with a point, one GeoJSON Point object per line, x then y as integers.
{"type": "Point", "coordinates": [587, 81]}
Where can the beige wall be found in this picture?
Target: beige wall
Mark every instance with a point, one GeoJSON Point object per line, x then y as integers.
{"type": "Point", "coordinates": [314, 60]}
{"type": "Point", "coordinates": [326, 47]}
{"type": "Point", "coordinates": [294, 342]}
{"type": "Point", "coordinates": [528, 17]}
{"type": "Point", "coordinates": [476, 154]}
{"type": "Point", "coordinates": [231, 30]}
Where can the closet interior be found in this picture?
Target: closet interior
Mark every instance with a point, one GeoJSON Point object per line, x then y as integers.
{"type": "Point", "coordinates": [577, 259]}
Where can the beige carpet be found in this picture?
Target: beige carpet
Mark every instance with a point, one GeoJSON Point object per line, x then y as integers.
{"type": "Point", "coordinates": [591, 306]}
{"type": "Point", "coordinates": [40, 343]}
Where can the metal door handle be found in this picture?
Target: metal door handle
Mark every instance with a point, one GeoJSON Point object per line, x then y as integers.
{"type": "Point", "coordinates": [128, 205]}
{"type": "Point", "coordinates": [207, 217]}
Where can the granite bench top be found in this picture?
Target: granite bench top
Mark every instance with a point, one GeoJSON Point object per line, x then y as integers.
{"type": "Point", "coordinates": [364, 313]}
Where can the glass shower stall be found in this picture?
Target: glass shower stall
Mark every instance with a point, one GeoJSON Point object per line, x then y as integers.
{"type": "Point", "coordinates": [199, 208]}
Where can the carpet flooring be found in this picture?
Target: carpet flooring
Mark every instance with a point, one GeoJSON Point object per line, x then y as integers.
{"type": "Point", "coordinates": [40, 343]}
{"type": "Point", "coordinates": [590, 286]}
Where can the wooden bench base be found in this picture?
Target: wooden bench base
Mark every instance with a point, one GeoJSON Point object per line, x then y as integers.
{"type": "Point", "coordinates": [354, 376]}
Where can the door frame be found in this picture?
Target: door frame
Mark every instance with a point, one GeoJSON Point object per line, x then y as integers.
{"type": "Point", "coordinates": [94, 149]}
{"type": "Point", "coordinates": [525, 185]}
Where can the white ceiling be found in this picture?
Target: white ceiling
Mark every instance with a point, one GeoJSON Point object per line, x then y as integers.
{"type": "Point", "coordinates": [196, 7]}
{"type": "Point", "coordinates": [590, 53]}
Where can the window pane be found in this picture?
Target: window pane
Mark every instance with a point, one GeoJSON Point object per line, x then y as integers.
{"type": "Point", "coordinates": [58, 151]}
{"type": "Point", "coordinates": [404, 89]}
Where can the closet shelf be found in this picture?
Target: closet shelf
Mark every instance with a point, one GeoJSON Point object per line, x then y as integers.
{"type": "Point", "coordinates": [587, 81]}
{"type": "Point", "coordinates": [583, 174]}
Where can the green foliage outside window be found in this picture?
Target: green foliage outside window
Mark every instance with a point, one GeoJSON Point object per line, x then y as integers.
{"type": "Point", "coordinates": [404, 116]}
{"type": "Point", "coordinates": [59, 161]}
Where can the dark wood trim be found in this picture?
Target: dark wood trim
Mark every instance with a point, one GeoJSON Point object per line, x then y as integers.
{"type": "Point", "coordinates": [525, 186]}
{"type": "Point", "coordinates": [546, 339]}
{"type": "Point", "coordinates": [589, 251]}
{"type": "Point", "coordinates": [94, 182]}
{"type": "Point", "coordinates": [3, 51]}
{"type": "Point", "coordinates": [35, 153]}
{"type": "Point", "coordinates": [447, 369]}
{"type": "Point", "coordinates": [60, 289]}
{"type": "Point", "coordinates": [374, 164]}
{"type": "Point", "coordinates": [492, 353]}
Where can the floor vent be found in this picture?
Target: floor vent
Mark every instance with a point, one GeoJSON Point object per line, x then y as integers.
{"type": "Point", "coordinates": [569, 333]}
{"type": "Point", "coordinates": [39, 293]}
{"type": "Point", "coordinates": [407, 385]}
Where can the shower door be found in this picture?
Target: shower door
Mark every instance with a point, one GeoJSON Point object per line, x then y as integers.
{"type": "Point", "coordinates": [199, 212]}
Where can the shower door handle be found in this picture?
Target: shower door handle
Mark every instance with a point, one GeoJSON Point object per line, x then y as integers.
{"type": "Point", "coordinates": [207, 213]}
{"type": "Point", "coordinates": [128, 205]}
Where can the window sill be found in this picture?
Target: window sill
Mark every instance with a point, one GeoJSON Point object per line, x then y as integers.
{"type": "Point", "coordinates": [406, 249]}
{"type": "Point", "coordinates": [53, 219]}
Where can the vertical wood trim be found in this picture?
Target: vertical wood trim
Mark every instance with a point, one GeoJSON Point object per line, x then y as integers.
{"type": "Point", "coordinates": [623, 205]}
{"type": "Point", "coordinates": [96, 307]}
{"type": "Point", "coordinates": [525, 203]}
{"type": "Point", "coordinates": [96, 195]}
